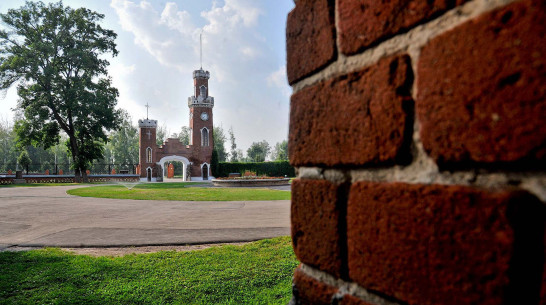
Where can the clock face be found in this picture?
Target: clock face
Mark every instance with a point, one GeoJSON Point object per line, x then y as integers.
{"type": "Point", "coordinates": [204, 116]}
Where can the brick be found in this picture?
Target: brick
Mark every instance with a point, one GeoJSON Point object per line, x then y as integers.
{"type": "Point", "coordinates": [543, 285]}
{"type": "Point", "coordinates": [421, 243]}
{"type": "Point", "coordinates": [481, 95]}
{"type": "Point", "coordinates": [308, 290]}
{"type": "Point", "coordinates": [363, 23]}
{"type": "Point", "coordinates": [310, 38]}
{"type": "Point", "coordinates": [352, 300]}
{"type": "Point", "coordinates": [362, 118]}
{"type": "Point", "coordinates": [315, 217]}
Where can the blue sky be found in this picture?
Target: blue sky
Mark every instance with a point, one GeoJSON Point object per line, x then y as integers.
{"type": "Point", "coordinates": [243, 48]}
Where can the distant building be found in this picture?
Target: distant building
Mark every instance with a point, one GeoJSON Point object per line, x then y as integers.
{"type": "Point", "coordinates": [196, 156]}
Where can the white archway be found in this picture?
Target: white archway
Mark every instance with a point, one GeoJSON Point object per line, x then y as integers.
{"type": "Point", "coordinates": [184, 161]}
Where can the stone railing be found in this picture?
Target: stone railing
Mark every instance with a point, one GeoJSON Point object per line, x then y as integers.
{"type": "Point", "coordinates": [9, 179]}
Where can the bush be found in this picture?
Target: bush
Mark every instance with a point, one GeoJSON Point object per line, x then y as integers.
{"type": "Point", "coordinates": [272, 169]}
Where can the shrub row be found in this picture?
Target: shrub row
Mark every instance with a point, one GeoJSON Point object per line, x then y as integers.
{"type": "Point", "coordinates": [273, 169]}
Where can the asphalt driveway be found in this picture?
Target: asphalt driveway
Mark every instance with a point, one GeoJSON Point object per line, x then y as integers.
{"type": "Point", "coordinates": [47, 216]}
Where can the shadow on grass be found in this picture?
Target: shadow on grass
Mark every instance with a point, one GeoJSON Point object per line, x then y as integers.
{"type": "Point", "coordinates": [257, 273]}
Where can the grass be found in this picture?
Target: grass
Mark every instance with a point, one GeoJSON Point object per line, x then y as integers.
{"type": "Point", "coordinates": [179, 191]}
{"type": "Point", "coordinates": [256, 273]}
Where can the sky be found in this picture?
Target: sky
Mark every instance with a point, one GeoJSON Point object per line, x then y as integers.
{"type": "Point", "coordinates": [243, 45]}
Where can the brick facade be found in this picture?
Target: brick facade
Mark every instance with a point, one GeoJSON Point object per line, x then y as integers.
{"type": "Point", "coordinates": [197, 154]}
{"type": "Point", "coordinates": [416, 130]}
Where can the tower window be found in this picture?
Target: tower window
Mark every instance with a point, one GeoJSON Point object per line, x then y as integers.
{"type": "Point", "coordinates": [149, 155]}
{"type": "Point", "coordinates": [203, 91]}
{"type": "Point", "coordinates": [204, 137]}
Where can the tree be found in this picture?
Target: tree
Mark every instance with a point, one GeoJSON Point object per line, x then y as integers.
{"type": "Point", "coordinates": [41, 158]}
{"type": "Point", "coordinates": [258, 151]}
{"type": "Point", "coordinates": [234, 156]}
{"type": "Point", "coordinates": [219, 139]}
{"type": "Point", "coordinates": [8, 151]}
{"type": "Point", "coordinates": [280, 151]}
{"type": "Point", "coordinates": [214, 163]}
{"type": "Point", "coordinates": [124, 141]}
{"type": "Point", "coordinates": [161, 135]}
{"type": "Point", "coordinates": [184, 135]}
{"type": "Point", "coordinates": [24, 160]}
{"type": "Point", "coordinates": [55, 55]}
{"type": "Point", "coordinates": [241, 156]}
{"type": "Point", "coordinates": [61, 155]}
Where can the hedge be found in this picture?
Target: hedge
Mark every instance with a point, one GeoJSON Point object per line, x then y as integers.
{"type": "Point", "coordinates": [272, 169]}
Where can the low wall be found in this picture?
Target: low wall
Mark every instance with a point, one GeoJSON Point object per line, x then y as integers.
{"type": "Point", "coordinates": [9, 179]}
{"type": "Point", "coordinates": [250, 182]}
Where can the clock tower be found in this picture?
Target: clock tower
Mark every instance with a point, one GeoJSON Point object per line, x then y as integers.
{"type": "Point", "coordinates": [201, 105]}
{"type": "Point", "coordinates": [197, 154]}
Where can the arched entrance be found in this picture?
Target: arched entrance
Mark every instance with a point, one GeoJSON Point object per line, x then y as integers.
{"type": "Point", "coordinates": [205, 171]}
{"type": "Point", "coordinates": [185, 163]}
{"type": "Point", "coordinates": [149, 174]}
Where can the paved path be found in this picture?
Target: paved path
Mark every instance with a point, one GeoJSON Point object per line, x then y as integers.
{"type": "Point", "coordinates": [47, 216]}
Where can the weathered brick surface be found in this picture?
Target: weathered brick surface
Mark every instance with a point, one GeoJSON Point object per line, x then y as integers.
{"type": "Point", "coordinates": [310, 38]}
{"type": "Point", "coordinates": [421, 243]}
{"type": "Point", "coordinates": [352, 300]}
{"type": "Point", "coordinates": [481, 93]}
{"type": "Point", "coordinates": [360, 118]}
{"type": "Point", "coordinates": [365, 22]}
{"type": "Point", "coordinates": [543, 284]}
{"type": "Point", "coordinates": [308, 290]}
{"type": "Point", "coordinates": [315, 218]}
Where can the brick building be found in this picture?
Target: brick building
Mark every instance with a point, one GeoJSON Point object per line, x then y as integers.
{"type": "Point", "coordinates": [417, 131]}
{"type": "Point", "coordinates": [196, 156]}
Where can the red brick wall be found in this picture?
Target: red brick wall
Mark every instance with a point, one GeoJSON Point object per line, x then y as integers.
{"type": "Point", "coordinates": [417, 129]}
{"type": "Point", "coordinates": [146, 142]}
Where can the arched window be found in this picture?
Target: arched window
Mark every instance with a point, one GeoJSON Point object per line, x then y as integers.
{"type": "Point", "coordinates": [149, 155]}
{"type": "Point", "coordinates": [204, 137]}
{"type": "Point", "coordinates": [203, 91]}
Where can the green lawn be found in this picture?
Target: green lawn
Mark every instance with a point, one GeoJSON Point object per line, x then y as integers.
{"type": "Point", "coordinates": [179, 191]}
{"type": "Point", "coordinates": [256, 273]}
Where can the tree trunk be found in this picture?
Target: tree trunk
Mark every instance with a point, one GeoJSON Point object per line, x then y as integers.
{"type": "Point", "coordinates": [75, 158]}
{"type": "Point", "coordinates": [77, 177]}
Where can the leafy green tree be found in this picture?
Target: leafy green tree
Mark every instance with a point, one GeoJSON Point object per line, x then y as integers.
{"type": "Point", "coordinates": [61, 154]}
{"type": "Point", "coordinates": [184, 135]}
{"type": "Point", "coordinates": [214, 163]}
{"type": "Point", "coordinates": [161, 135]}
{"type": "Point", "coordinates": [41, 158]}
{"type": "Point", "coordinates": [124, 141]}
{"type": "Point", "coordinates": [241, 156]}
{"type": "Point", "coordinates": [219, 139]}
{"type": "Point", "coordinates": [280, 151]}
{"type": "Point", "coordinates": [258, 151]}
{"type": "Point", "coordinates": [234, 153]}
{"type": "Point", "coordinates": [55, 55]}
{"type": "Point", "coordinates": [24, 160]}
{"type": "Point", "coordinates": [8, 152]}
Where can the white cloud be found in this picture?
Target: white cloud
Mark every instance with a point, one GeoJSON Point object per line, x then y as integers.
{"type": "Point", "coordinates": [154, 31]}
{"type": "Point", "coordinates": [177, 20]}
{"type": "Point", "coordinates": [278, 79]}
{"type": "Point", "coordinates": [234, 51]}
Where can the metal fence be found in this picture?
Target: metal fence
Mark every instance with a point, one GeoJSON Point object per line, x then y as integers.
{"type": "Point", "coordinates": [65, 169]}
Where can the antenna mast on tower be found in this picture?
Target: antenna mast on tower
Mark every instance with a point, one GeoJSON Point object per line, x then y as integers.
{"type": "Point", "coordinates": [147, 108]}
{"type": "Point", "coordinates": [201, 50]}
